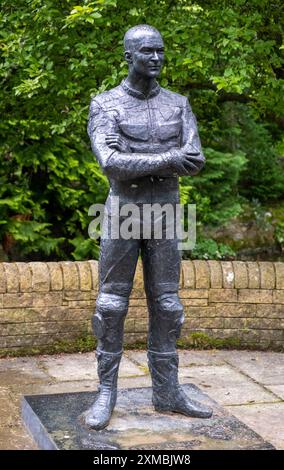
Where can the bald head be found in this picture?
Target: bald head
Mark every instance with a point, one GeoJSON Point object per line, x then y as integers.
{"type": "Point", "coordinates": [142, 31]}
{"type": "Point", "coordinates": [144, 52]}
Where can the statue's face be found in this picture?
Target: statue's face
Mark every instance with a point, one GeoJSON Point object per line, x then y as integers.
{"type": "Point", "coordinates": [147, 55]}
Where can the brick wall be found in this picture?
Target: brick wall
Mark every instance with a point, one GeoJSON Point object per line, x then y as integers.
{"type": "Point", "coordinates": [43, 303]}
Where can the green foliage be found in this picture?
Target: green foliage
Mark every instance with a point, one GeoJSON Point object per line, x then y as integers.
{"type": "Point", "coordinates": [206, 248]}
{"type": "Point", "coordinates": [54, 55]}
{"type": "Point", "coordinates": [200, 340]}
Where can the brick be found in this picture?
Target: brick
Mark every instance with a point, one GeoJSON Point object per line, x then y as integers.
{"type": "Point", "coordinates": [193, 293]}
{"type": "Point", "coordinates": [246, 323]}
{"type": "Point", "coordinates": [52, 299]}
{"type": "Point", "coordinates": [3, 286]}
{"type": "Point", "coordinates": [216, 277]}
{"type": "Point", "coordinates": [25, 277]}
{"type": "Point", "coordinates": [202, 274]}
{"type": "Point", "coordinates": [132, 338]}
{"type": "Point", "coordinates": [265, 323]}
{"type": "Point", "coordinates": [81, 303]}
{"type": "Point", "coordinates": [13, 329]}
{"type": "Point", "coordinates": [95, 273]}
{"type": "Point", "coordinates": [138, 294]}
{"type": "Point", "coordinates": [257, 296]}
{"type": "Point", "coordinates": [78, 295]}
{"type": "Point", "coordinates": [279, 273]}
{"type": "Point", "coordinates": [188, 274]}
{"type": "Point", "coordinates": [241, 275]}
{"type": "Point", "coordinates": [48, 327]}
{"type": "Point", "coordinates": [12, 277]}
{"type": "Point", "coordinates": [141, 324]}
{"type": "Point", "coordinates": [273, 334]}
{"type": "Point", "coordinates": [214, 322]}
{"type": "Point", "coordinates": [66, 314]}
{"type": "Point", "coordinates": [267, 275]}
{"type": "Point", "coordinates": [270, 311]}
{"type": "Point", "coordinates": [129, 325]}
{"type": "Point", "coordinates": [40, 277]}
{"type": "Point", "coordinates": [137, 302]}
{"type": "Point", "coordinates": [253, 275]}
{"type": "Point", "coordinates": [36, 340]}
{"type": "Point", "coordinates": [56, 276]}
{"type": "Point", "coordinates": [228, 274]}
{"type": "Point", "coordinates": [70, 275]}
{"type": "Point", "coordinates": [78, 314]}
{"type": "Point", "coordinates": [138, 278]}
{"type": "Point", "coordinates": [278, 296]}
{"type": "Point", "coordinates": [223, 295]}
{"type": "Point", "coordinates": [137, 312]}
{"type": "Point", "coordinates": [17, 300]}
{"type": "Point", "coordinates": [194, 302]}
{"type": "Point", "coordinates": [85, 275]}
{"type": "Point", "coordinates": [235, 310]}
{"type": "Point", "coordinates": [200, 312]}
{"type": "Point", "coordinates": [12, 315]}
{"type": "Point", "coordinates": [279, 311]}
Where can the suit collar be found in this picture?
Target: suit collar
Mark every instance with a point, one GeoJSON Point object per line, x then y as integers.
{"type": "Point", "coordinates": [138, 94]}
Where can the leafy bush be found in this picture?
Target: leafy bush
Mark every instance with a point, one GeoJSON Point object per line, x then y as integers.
{"type": "Point", "coordinates": [54, 55]}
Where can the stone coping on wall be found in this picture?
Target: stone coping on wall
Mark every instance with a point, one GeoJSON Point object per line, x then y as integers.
{"type": "Point", "coordinates": [226, 302]}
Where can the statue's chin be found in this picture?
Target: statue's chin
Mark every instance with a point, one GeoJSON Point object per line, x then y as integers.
{"type": "Point", "coordinates": [153, 73]}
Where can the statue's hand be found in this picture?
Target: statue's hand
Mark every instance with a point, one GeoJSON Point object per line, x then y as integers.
{"type": "Point", "coordinates": [187, 160]}
{"type": "Point", "coordinates": [115, 141]}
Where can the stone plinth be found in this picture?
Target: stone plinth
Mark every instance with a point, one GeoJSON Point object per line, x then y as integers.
{"type": "Point", "coordinates": [54, 422]}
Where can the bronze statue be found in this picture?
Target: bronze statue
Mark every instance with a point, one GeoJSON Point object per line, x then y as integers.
{"type": "Point", "coordinates": [143, 137]}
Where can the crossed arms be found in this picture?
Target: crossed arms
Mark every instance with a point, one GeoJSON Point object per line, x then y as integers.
{"type": "Point", "coordinates": [118, 163]}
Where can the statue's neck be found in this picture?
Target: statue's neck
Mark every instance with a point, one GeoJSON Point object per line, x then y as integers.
{"type": "Point", "coordinates": [142, 84]}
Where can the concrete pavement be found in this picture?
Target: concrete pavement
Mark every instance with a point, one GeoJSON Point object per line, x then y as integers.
{"type": "Point", "coordinates": [250, 384]}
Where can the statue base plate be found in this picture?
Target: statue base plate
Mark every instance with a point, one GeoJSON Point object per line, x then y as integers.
{"type": "Point", "coordinates": [54, 422]}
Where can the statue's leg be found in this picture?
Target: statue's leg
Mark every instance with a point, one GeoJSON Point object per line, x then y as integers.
{"type": "Point", "coordinates": [118, 259]}
{"type": "Point", "coordinates": [161, 263]}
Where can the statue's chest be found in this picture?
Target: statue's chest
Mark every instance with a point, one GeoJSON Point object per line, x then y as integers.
{"type": "Point", "coordinates": [150, 121]}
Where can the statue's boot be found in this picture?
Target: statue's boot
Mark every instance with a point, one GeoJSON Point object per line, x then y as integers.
{"type": "Point", "coordinates": [108, 325]}
{"type": "Point", "coordinates": [99, 414]}
{"type": "Point", "coordinates": [168, 395]}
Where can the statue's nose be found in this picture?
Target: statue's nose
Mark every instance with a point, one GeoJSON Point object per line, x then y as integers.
{"type": "Point", "coordinates": [155, 56]}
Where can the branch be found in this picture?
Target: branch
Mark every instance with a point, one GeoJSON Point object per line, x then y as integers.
{"type": "Point", "coordinates": [222, 96]}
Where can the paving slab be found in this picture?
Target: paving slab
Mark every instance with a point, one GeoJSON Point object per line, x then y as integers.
{"type": "Point", "coordinates": [264, 367]}
{"type": "Point", "coordinates": [16, 438]}
{"type": "Point", "coordinates": [21, 370]}
{"type": "Point", "coordinates": [226, 384]}
{"type": "Point", "coordinates": [266, 419]}
{"type": "Point", "coordinates": [186, 358]}
{"type": "Point", "coordinates": [9, 412]}
{"type": "Point", "coordinates": [82, 367]}
{"type": "Point", "coordinates": [55, 421]}
{"type": "Point", "coordinates": [277, 390]}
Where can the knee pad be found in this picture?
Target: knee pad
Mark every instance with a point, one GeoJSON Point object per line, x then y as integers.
{"type": "Point", "coordinates": [111, 310]}
{"type": "Point", "coordinates": [170, 313]}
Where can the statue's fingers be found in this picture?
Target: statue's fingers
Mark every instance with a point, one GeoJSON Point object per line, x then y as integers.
{"type": "Point", "coordinates": [112, 140]}
{"type": "Point", "coordinates": [194, 160]}
{"type": "Point", "coordinates": [114, 146]}
{"type": "Point", "coordinates": [192, 153]}
{"type": "Point", "coordinates": [191, 166]}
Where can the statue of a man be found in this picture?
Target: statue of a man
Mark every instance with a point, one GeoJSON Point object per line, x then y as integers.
{"type": "Point", "coordinates": [143, 137]}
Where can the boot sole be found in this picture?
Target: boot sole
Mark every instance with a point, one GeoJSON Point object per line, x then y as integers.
{"type": "Point", "coordinates": [165, 411]}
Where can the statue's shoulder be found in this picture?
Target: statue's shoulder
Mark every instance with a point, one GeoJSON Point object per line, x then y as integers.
{"type": "Point", "coordinates": [109, 98]}
{"type": "Point", "coordinates": [172, 98]}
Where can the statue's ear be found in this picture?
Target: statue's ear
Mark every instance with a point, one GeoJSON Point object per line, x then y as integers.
{"type": "Point", "coordinates": [128, 57]}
